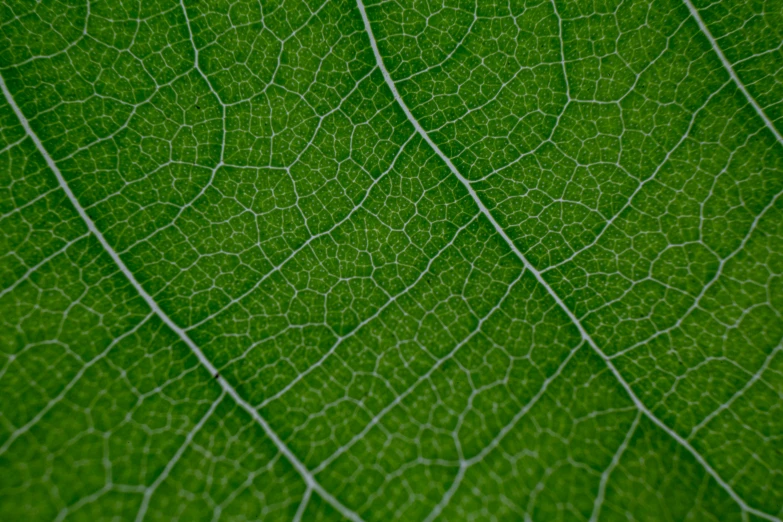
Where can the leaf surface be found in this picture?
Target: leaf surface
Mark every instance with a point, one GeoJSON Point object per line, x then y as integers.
{"type": "Point", "coordinates": [402, 260]}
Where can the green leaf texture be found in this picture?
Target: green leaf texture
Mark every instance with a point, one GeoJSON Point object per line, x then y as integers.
{"type": "Point", "coordinates": [391, 260]}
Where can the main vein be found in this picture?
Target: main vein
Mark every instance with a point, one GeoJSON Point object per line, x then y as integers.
{"type": "Point", "coordinates": [585, 336]}
{"type": "Point", "coordinates": [281, 446]}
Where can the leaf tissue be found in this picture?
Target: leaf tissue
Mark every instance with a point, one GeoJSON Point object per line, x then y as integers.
{"type": "Point", "coordinates": [391, 260]}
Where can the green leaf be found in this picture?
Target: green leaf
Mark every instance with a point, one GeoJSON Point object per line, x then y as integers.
{"type": "Point", "coordinates": [391, 260]}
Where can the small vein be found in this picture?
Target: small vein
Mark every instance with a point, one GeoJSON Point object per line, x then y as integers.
{"type": "Point", "coordinates": [606, 475]}
{"type": "Point", "coordinates": [303, 505]}
{"type": "Point", "coordinates": [145, 503]}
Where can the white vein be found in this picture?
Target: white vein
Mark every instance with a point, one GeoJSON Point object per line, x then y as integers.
{"type": "Point", "coordinates": [145, 503]}
{"type": "Point", "coordinates": [599, 498]}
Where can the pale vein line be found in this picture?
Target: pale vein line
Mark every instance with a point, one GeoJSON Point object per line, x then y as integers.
{"type": "Point", "coordinates": [145, 503]}
{"type": "Point", "coordinates": [281, 446]}
{"type": "Point", "coordinates": [639, 404]}
{"type": "Point", "coordinates": [696, 16]}
{"type": "Point", "coordinates": [303, 505]}
{"type": "Point", "coordinates": [599, 499]}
